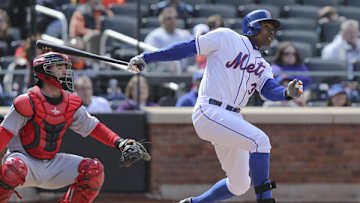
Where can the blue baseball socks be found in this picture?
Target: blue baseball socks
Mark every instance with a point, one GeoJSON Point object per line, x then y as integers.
{"type": "Point", "coordinates": [259, 171]}
{"type": "Point", "coordinates": [216, 193]}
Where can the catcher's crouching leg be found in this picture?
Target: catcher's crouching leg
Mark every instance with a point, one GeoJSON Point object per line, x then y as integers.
{"type": "Point", "coordinates": [88, 184]}
{"type": "Point", "coordinates": [12, 174]}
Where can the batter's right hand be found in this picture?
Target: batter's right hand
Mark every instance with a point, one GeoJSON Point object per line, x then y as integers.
{"type": "Point", "coordinates": [137, 63]}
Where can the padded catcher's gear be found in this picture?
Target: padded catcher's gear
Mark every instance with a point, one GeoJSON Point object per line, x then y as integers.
{"type": "Point", "coordinates": [13, 173]}
{"type": "Point", "coordinates": [88, 184]}
{"type": "Point", "coordinates": [41, 64]}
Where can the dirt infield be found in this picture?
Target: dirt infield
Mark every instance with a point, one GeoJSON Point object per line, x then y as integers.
{"type": "Point", "coordinates": [142, 198]}
{"type": "Point", "coordinates": [138, 198]}
{"type": "Point", "coordinates": [124, 198]}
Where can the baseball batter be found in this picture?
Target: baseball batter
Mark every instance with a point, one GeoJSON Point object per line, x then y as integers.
{"type": "Point", "coordinates": [33, 129]}
{"type": "Point", "coordinates": [234, 70]}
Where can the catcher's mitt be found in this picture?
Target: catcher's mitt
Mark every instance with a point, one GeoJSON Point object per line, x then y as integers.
{"type": "Point", "coordinates": [132, 151]}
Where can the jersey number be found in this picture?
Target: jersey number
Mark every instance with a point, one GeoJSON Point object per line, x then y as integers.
{"type": "Point", "coordinates": [253, 86]}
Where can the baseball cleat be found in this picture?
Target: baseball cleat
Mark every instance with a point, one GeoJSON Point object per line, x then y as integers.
{"type": "Point", "coordinates": [187, 200]}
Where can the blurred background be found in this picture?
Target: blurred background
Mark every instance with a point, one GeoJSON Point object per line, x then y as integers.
{"type": "Point", "coordinates": [318, 43]}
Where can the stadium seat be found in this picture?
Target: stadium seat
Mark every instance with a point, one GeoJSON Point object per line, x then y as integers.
{"type": "Point", "coordinates": [144, 32]}
{"type": "Point", "coordinates": [279, 3]}
{"type": "Point", "coordinates": [191, 22]}
{"type": "Point", "coordinates": [296, 23]}
{"type": "Point", "coordinates": [304, 49]}
{"type": "Point", "coordinates": [132, 1]}
{"type": "Point", "coordinates": [195, 2]}
{"type": "Point", "coordinates": [120, 24]}
{"type": "Point", "coordinates": [349, 12]}
{"type": "Point", "coordinates": [298, 36]}
{"type": "Point", "coordinates": [353, 3]}
{"type": "Point", "coordinates": [167, 101]}
{"type": "Point", "coordinates": [319, 47]}
{"type": "Point", "coordinates": [301, 11]}
{"type": "Point", "coordinates": [245, 9]}
{"type": "Point", "coordinates": [357, 65]}
{"type": "Point", "coordinates": [123, 24]}
{"type": "Point", "coordinates": [15, 33]}
{"type": "Point", "coordinates": [238, 30]}
{"type": "Point", "coordinates": [129, 9]}
{"type": "Point", "coordinates": [329, 30]}
{"type": "Point", "coordinates": [234, 2]}
{"type": "Point", "coordinates": [6, 61]}
{"type": "Point", "coordinates": [150, 22]}
{"type": "Point", "coordinates": [153, 22]}
{"type": "Point", "coordinates": [322, 3]}
{"type": "Point", "coordinates": [206, 10]}
{"type": "Point", "coordinates": [233, 23]}
{"type": "Point", "coordinates": [317, 64]}
{"type": "Point", "coordinates": [4, 4]}
{"type": "Point", "coordinates": [3, 48]}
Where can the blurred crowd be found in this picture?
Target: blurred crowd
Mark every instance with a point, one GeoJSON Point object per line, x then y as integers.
{"type": "Point", "coordinates": [314, 37]}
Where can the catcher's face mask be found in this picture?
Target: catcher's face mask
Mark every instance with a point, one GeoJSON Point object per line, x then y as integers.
{"type": "Point", "coordinates": [48, 67]}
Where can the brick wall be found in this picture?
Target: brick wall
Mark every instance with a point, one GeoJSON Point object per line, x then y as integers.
{"type": "Point", "coordinates": [319, 153]}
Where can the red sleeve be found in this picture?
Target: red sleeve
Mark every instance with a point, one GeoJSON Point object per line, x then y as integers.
{"type": "Point", "coordinates": [104, 135]}
{"type": "Point", "coordinates": [5, 137]}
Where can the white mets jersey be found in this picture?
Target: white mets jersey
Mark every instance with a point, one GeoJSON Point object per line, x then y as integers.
{"type": "Point", "coordinates": [234, 68]}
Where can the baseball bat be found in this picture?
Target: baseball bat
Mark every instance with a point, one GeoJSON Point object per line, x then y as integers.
{"type": "Point", "coordinates": [120, 66]}
{"type": "Point", "coordinates": [42, 44]}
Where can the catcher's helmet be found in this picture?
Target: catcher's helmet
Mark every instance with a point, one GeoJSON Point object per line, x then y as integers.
{"type": "Point", "coordinates": [251, 23]}
{"type": "Point", "coordinates": [41, 64]}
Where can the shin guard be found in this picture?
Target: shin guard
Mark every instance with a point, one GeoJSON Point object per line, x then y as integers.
{"type": "Point", "coordinates": [12, 174]}
{"type": "Point", "coordinates": [88, 184]}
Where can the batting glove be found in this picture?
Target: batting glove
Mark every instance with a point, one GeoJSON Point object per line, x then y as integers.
{"type": "Point", "coordinates": [137, 63]}
{"type": "Point", "coordinates": [294, 89]}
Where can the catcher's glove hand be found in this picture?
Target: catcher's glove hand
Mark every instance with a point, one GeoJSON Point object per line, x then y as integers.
{"type": "Point", "coordinates": [132, 151]}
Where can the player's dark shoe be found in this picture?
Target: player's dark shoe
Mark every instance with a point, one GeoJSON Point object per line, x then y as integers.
{"type": "Point", "coordinates": [263, 188]}
{"type": "Point", "coordinates": [187, 200]}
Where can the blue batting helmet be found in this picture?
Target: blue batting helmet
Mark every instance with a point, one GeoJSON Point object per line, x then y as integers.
{"type": "Point", "coordinates": [251, 23]}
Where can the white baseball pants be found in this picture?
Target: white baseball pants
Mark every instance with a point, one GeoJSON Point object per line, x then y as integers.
{"type": "Point", "coordinates": [233, 139]}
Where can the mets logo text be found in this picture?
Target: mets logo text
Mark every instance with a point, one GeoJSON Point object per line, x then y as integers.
{"type": "Point", "coordinates": [239, 62]}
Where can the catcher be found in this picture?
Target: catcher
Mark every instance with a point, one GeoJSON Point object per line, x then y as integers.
{"type": "Point", "coordinates": [33, 129]}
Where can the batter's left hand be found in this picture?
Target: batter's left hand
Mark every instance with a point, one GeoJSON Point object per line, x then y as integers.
{"type": "Point", "coordinates": [294, 89]}
{"type": "Point", "coordinates": [137, 63]}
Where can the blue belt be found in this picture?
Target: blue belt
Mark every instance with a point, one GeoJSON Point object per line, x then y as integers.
{"type": "Point", "coordinates": [228, 107]}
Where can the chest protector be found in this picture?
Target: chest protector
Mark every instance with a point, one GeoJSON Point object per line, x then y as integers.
{"type": "Point", "coordinates": [42, 135]}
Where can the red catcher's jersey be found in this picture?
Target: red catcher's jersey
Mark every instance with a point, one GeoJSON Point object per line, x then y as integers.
{"type": "Point", "coordinates": [42, 135]}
